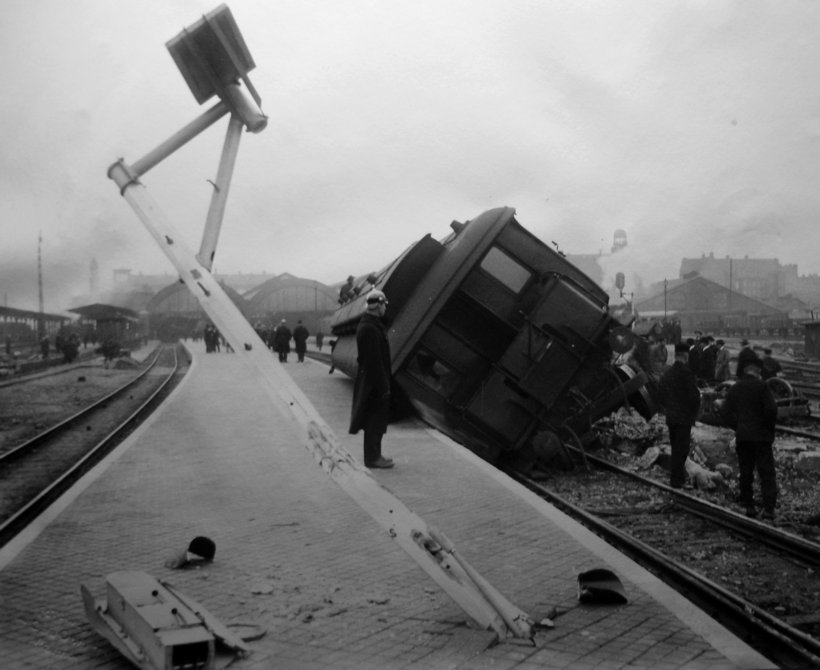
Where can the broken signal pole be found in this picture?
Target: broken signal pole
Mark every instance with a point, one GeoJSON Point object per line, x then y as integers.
{"type": "Point", "coordinates": [212, 57]}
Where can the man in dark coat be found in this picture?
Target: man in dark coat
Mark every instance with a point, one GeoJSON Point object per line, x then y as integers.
{"type": "Point", "coordinates": [281, 341]}
{"type": "Point", "coordinates": [750, 409]}
{"type": "Point", "coordinates": [679, 396]}
{"type": "Point", "coordinates": [371, 391]}
{"type": "Point", "coordinates": [747, 355]}
{"type": "Point", "coordinates": [300, 336]}
{"type": "Point", "coordinates": [708, 359]}
{"type": "Point", "coordinates": [695, 347]}
{"type": "Point", "coordinates": [770, 366]}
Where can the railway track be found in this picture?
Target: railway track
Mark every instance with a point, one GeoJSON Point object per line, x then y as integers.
{"type": "Point", "coordinates": [35, 473]}
{"type": "Point", "coordinates": [759, 581]}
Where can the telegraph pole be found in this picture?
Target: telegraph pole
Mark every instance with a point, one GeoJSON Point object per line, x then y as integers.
{"type": "Point", "coordinates": [41, 323]}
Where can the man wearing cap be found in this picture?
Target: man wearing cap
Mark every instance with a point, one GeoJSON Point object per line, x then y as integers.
{"type": "Point", "coordinates": [371, 391]}
{"type": "Point", "coordinates": [750, 409]}
{"type": "Point", "coordinates": [678, 394]}
{"type": "Point", "coordinates": [747, 355]}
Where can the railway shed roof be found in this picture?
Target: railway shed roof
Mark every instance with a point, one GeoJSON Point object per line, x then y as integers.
{"type": "Point", "coordinates": [101, 312]}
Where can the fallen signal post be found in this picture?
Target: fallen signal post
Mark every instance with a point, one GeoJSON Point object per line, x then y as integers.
{"type": "Point", "coordinates": [484, 604]}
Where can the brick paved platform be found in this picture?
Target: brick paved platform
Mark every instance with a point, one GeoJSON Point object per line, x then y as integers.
{"type": "Point", "coordinates": [296, 556]}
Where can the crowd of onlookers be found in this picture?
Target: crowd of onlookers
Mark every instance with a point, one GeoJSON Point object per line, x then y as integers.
{"type": "Point", "coordinates": [749, 408]}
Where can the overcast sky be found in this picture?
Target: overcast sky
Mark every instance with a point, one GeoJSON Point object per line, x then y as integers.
{"type": "Point", "coordinates": [692, 125]}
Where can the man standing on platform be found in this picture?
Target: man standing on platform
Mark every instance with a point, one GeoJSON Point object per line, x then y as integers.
{"type": "Point", "coordinates": [281, 341]}
{"type": "Point", "coordinates": [679, 395]}
{"type": "Point", "coordinates": [751, 410]}
{"type": "Point", "coordinates": [300, 336]}
{"type": "Point", "coordinates": [371, 391]}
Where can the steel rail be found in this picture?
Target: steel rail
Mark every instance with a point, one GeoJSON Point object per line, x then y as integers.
{"type": "Point", "coordinates": [23, 517]}
{"type": "Point", "coordinates": [797, 432]}
{"type": "Point", "coordinates": [51, 371]}
{"type": "Point", "coordinates": [31, 443]}
{"type": "Point", "coordinates": [787, 646]}
{"type": "Point", "coordinates": [804, 550]}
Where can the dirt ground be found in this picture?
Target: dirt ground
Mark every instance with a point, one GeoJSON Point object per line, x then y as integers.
{"type": "Point", "coordinates": [29, 408]}
{"type": "Point", "coordinates": [626, 438]}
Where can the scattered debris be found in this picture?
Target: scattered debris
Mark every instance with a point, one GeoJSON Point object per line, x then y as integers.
{"type": "Point", "coordinates": [263, 589]}
{"type": "Point", "coordinates": [200, 550]}
{"type": "Point", "coordinates": [155, 626]}
{"type": "Point", "coordinates": [600, 586]}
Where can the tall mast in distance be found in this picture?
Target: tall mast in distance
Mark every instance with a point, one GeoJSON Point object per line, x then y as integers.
{"type": "Point", "coordinates": [41, 325]}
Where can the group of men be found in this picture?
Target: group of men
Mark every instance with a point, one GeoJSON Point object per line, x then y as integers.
{"type": "Point", "coordinates": [708, 358]}
{"type": "Point", "coordinates": [278, 340]}
{"type": "Point", "coordinates": [749, 409]}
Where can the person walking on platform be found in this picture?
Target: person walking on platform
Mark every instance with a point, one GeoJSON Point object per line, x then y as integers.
{"type": "Point", "coordinates": [678, 394]}
{"type": "Point", "coordinates": [371, 391]}
{"type": "Point", "coordinates": [281, 341]}
{"type": "Point", "coordinates": [300, 336]}
{"type": "Point", "coordinates": [746, 356]}
{"type": "Point", "coordinates": [750, 409]}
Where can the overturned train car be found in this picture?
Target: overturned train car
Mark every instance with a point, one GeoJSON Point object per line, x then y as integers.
{"type": "Point", "coordinates": [497, 340]}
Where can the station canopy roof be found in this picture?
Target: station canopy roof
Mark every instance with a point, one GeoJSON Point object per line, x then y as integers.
{"type": "Point", "coordinates": [101, 312]}
{"type": "Point", "coordinates": [14, 313]}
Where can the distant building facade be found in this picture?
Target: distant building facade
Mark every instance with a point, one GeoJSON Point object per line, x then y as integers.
{"type": "Point", "coordinates": [761, 278]}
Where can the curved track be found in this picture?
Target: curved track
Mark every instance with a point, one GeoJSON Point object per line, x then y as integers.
{"type": "Point", "coordinates": [35, 473]}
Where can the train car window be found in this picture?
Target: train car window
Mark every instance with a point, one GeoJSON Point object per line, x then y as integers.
{"type": "Point", "coordinates": [429, 370]}
{"type": "Point", "coordinates": [472, 324]}
{"type": "Point", "coordinates": [509, 272]}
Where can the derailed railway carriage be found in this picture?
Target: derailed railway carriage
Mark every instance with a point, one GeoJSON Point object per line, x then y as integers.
{"type": "Point", "coordinates": [497, 340]}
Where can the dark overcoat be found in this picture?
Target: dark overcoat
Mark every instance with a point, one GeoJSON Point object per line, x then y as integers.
{"type": "Point", "coordinates": [750, 409]}
{"type": "Point", "coordinates": [678, 394]}
{"type": "Point", "coordinates": [300, 336]}
{"type": "Point", "coordinates": [747, 356]}
{"type": "Point", "coordinates": [281, 339]}
{"type": "Point", "coordinates": [371, 390]}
